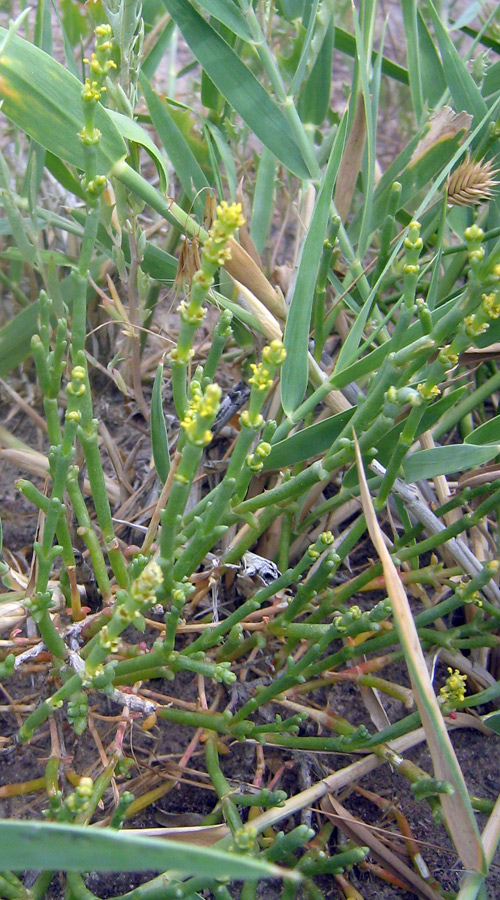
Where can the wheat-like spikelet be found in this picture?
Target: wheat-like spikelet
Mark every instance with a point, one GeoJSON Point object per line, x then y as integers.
{"type": "Point", "coordinates": [471, 183]}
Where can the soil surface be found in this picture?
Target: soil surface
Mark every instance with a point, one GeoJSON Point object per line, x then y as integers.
{"type": "Point", "coordinates": [156, 754]}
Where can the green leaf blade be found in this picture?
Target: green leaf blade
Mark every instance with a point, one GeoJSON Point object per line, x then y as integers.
{"type": "Point", "coordinates": [72, 848]}
{"type": "Point", "coordinates": [238, 85]}
{"type": "Point", "coordinates": [132, 131]}
{"type": "Point", "coordinates": [227, 12]}
{"type": "Point", "coordinates": [309, 442]}
{"type": "Point", "coordinates": [159, 437]}
{"type": "Point", "coordinates": [44, 100]}
{"type": "Point", "coordinates": [295, 369]}
{"type": "Point", "coordinates": [186, 165]}
{"type": "Point", "coordinates": [15, 338]}
{"type": "Point", "coordinates": [446, 460]}
{"type": "Point", "coordinates": [463, 89]}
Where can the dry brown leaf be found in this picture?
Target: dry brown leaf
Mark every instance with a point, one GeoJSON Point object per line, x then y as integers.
{"type": "Point", "coordinates": [242, 268]}
{"type": "Point", "coordinates": [483, 475]}
{"type": "Point", "coordinates": [13, 613]}
{"type": "Point", "coordinates": [350, 164]}
{"type": "Point", "coordinates": [476, 355]}
{"type": "Point", "coordinates": [244, 232]}
{"type": "Point", "coordinates": [373, 703]}
{"type": "Point", "coordinates": [37, 464]}
{"type": "Point", "coordinates": [443, 126]}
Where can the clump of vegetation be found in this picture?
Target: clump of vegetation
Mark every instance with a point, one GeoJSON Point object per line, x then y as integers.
{"type": "Point", "coordinates": [211, 593]}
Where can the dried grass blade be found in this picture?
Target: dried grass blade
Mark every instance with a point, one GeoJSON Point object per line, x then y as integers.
{"type": "Point", "coordinates": [37, 464]}
{"type": "Point", "coordinates": [473, 881]}
{"type": "Point", "coordinates": [352, 158]}
{"type": "Point", "coordinates": [353, 772]}
{"type": "Point", "coordinates": [354, 829]}
{"type": "Point", "coordinates": [457, 807]}
{"type": "Point", "coordinates": [201, 835]}
{"type": "Point", "coordinates": [242, 268]}
{"type": "Point", "coordinates": [374, 706]}
{"type": "Point", "coordinates": [267, 321]}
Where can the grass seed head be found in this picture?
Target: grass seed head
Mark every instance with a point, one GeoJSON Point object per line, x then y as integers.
{"type": "Point", "coordinates": [471, 183]}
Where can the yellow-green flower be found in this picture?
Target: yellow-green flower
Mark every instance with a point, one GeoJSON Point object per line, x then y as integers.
{"type": "Point", "coordinates": [200, 414]}
{"type": "Point", "coordinates": [453, 691]}
{"type": "Point", "coordinates": [428, 392]}
{"type": "Point", "coordinates": [229, 219]}
{"type": "Point", "coordinates": [490, 304]}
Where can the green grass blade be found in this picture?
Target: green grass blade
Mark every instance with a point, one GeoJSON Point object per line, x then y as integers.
{"type": "Point", "coordinates": [413, 55]}
{"type": "Point", "coordinates": [157, 53]}
{"type": "Point", "coordinates": [45, 256]}
{"type": "Point", "coordinates": [227, 12]}
{"type": "Point", "coordinates": [489, 40]}
{"type": "Point", "coordinates": [463, 89]}
{"type": "Point", "coordinates": [349, 350]}
{"type": "Point", "coordinates": [44, 100]}
{"type": "Point", "coordinates": [309, 442]}
{"type": "Point", "coordinates": [366, 20]}
{"type": "Point", "coordinates": [295, 368]}
{"type": "Point", "coordinates": [485, 433]}
{"type": "Point", "coordinates": [15, 338]}
{"type": "Point", "coordinates": [314, 98]}
{"type": "Point", "coordinates": [17, 224]}
{"type": "Point", "coordinates": [263, 200]}
{"type": "Point", "coordinates": [431, 70]}
{"type": "Point", "coordinates": [47, 109]}
{"type": "Point", "coordinates": [446, 460]}
{"type": "Point", "coordinates": [239, 312]}
{"type": "Point", "coordinates": [225, 154]}
{"type": "Point", "coordinates": [292, 9]}
{"type": "Point", "coordinates": [42, 35]}
{"type": "Point", "coordinates": [132, 131]}
{"type": "Point", "coordinates": [346, 43]}
{"type": "Point", "coordinates": [433, 292]}
{"type": "Point", "coordinates": [72, 848]}
{"type": "Point", "coordinates": [492, 79]}
{"type": "Point", "coordinates": [63, 175]}
{"type": "Point", "coordinates": [159, 437]}
{"type": "Point", "coordinates": [69, 56]}
{"type": "Point", "coordinates": [440, 158]}
{"type": "Point", "coordinates": [210, 96]}
{"type": "Point", "coordinates": [300, 68]}
{"type": "Point", "coordinates": [371, 91]}
{"type": "Point", "coordinates": [162, 266]}
{"type": "Point", "coordinates": [319, 437]}
{"type": "Point", "coordinates": [14, 27]}
{"type": "Point", "coordinates": [432, 414]}
{"type": "Point", "coordinates": [413, 179]}
{"type": "Point", "coordinates": [33, 175]}
{"type": "Point", "coordinates": [214, 161]}
{"type": "Point", "coordinates": [186, 166]}
{"type": "Point", "coordinates": [238, 85]}
{"type": "Point", "coordinates": [157, 262]}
